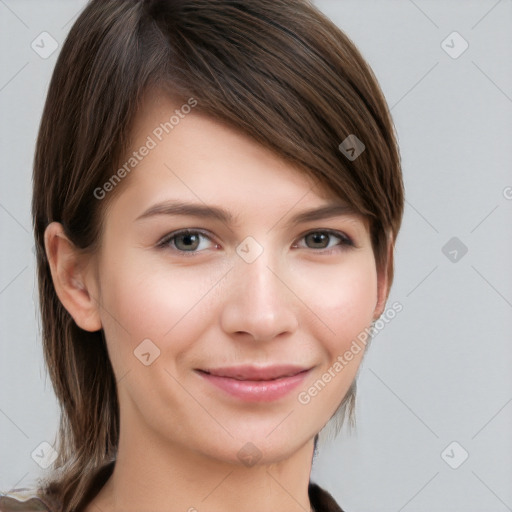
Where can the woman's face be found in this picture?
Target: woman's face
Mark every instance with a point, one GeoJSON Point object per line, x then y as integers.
{"type": "Point", "coordinates": [272, 278]}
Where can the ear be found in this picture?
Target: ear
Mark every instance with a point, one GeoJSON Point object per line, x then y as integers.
{"type": "Point", "coordinates": [73, 282]}
{"type": "Point", "coordinates": [383, 280]}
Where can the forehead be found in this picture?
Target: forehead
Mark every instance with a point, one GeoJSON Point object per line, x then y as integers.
{"type": "Point", "coordinates": [179, 152]}
{"type": "Point", "coordinates": [172, 139]}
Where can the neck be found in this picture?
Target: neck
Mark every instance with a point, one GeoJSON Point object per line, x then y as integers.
{"type": "Point", "coordinates": [152, 475]}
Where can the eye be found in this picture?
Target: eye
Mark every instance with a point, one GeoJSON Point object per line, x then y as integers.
{"type": "Point", "coordinates": [193, 241]}
{"type": "Point", "coordinates": [325, 239]}
{"type": "Point", "coordinates": [187, 241]}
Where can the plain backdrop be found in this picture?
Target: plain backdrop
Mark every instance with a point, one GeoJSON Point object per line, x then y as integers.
{"type": "Point", "coordinates": [434, 402]}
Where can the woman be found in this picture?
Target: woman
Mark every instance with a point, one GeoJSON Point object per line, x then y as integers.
{"type": "Point", "coordinates": [217, 194]}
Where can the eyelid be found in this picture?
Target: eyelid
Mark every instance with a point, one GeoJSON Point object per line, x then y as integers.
{"type": "Point", "coordinates": [164, 241]}
{"type": "Point", "coordinates": [345, 239]}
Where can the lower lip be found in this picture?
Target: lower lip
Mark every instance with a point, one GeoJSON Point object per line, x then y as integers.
{"type": "Point", "coordinates": [256, 390]}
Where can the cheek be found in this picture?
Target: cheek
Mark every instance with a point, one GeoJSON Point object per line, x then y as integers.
{"type": "Point", "coordinates": [341, 298]}
{"type": "Point", "coordinates": [173, 306]}
{"type": "Point", "coordinates": [156, 302]}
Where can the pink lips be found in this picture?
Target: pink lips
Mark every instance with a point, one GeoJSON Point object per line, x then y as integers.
{"type": "Point", "coordinates": [254, 384]}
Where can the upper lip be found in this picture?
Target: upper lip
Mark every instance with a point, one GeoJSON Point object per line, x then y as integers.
{"type": "Point", "coordinates": [256, 373]}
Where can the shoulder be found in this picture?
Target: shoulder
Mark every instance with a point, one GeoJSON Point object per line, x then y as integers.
{"type": "Point", "coordinates": [321, 500]}
{"type": "Point", "coordinates": [24, 500]}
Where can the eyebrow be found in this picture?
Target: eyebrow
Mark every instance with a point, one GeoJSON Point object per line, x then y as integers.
{"type": "Point", "coordinates": [214, 212]}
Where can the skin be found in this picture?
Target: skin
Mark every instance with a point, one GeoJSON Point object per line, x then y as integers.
{"type": "Point", "coordinates": [180, 435]}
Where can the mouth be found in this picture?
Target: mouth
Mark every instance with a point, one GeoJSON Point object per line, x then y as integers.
{"type": "Point", "coordinates": [255, 373]}
{"type": "Point", "coordinates": [256, 384]}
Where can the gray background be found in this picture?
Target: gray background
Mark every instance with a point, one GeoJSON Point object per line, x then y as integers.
{"type": "Point", "coordinates": [440, 371]}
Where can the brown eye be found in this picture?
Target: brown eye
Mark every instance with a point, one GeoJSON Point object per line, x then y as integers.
{"type": "Point", "coordinates": [325, 240]}
{"type": "Point", "coordinates": [317, 240]}
{"type": "Point", "coordinates": [186, 241]}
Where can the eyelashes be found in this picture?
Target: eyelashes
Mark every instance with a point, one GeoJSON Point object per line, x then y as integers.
{"type": "Point", "coordinates": [319, 238]}
{"type": "Point", "coordinates": [192, 241]}
{"type": "Point", "coordinates": [188, 239]}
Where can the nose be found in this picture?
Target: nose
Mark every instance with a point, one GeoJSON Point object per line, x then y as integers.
{"type": "Point", "coordinates": [258, 304]}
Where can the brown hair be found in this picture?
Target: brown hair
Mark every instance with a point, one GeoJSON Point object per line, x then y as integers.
{"type": "Point", "coordinates": [277, 70]}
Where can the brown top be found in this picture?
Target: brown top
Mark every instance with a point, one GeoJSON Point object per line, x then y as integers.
{"type": "Point", "coordinates": [27, 500]}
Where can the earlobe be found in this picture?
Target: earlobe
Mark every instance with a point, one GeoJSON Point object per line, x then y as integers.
{"type": "Point", "coordinates": [73, 285]}
{"type": "Point", "coordinates": [383, 281]}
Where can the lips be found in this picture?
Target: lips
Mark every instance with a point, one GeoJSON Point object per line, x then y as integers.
{"type": "Point", "coordinates": [255, 384]}
{"type": "Point", "coordinates": [254, 373]}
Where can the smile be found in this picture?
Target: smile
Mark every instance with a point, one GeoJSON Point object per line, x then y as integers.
{"type": "Point", "coordinates": [254, 384]}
